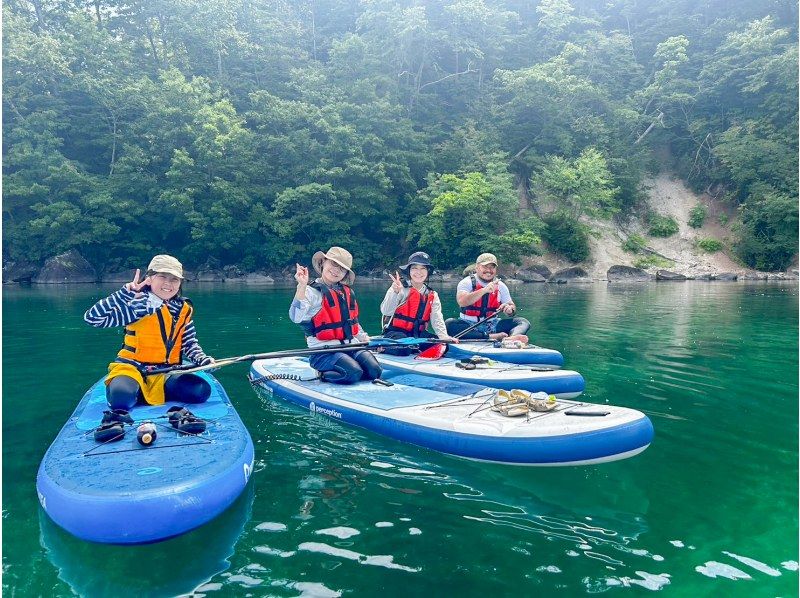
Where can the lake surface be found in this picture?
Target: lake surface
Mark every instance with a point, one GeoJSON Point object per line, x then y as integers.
{"type": "Point", "coordinates": [710, 508]}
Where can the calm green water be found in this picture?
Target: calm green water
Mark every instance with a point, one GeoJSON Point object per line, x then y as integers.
{"type": "Point", "coordinates": [710, 508]}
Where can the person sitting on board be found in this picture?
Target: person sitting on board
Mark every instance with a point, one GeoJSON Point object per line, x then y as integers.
{"type": "Point", "coordinates": [327, 311]}
{"type": "Point", "coordinates": [159, 331]}
{"type": "Point", "coordinates": [482, 295]}
{"type": "Point", "coordinates": [410, 305]}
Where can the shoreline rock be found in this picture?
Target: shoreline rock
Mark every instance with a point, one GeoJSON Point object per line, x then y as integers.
{"type": "Point", "coordinates": [67, 268]}
{"type": "Point", "coordinates": [575, 274]}
{"type": "Point", "coordinates": [667, 276]}
{"type": "Point", "coordinates": [72, 268]}
{"type": "Point", "coordinates": [628, 274]}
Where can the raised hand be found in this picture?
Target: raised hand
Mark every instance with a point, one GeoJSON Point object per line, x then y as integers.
{"type": "Point", "coordinates": [301, 275]}
{"type": "Point", "coordinates": [135, 285]}
{"type": "Point", "coordinates": [491, 287]}
{"type": "Point", "coordinates": [397, 283]}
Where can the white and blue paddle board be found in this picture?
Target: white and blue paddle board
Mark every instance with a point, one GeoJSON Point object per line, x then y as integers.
{"type": "Point", "coordinates": [529, 354]}
{"type": "Point", "coordinates": [564, 384]}
{"type": "Point", "coordinates": [455, 418]}
{"type": "Point", "coordinates": [124, 493]}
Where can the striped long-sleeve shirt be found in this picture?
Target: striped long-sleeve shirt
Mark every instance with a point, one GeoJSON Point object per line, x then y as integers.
{"type": "Point", "coordinates": [124, 307]}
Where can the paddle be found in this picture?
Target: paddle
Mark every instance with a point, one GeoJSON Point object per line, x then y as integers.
{"type": "Point", "coordinates": [438, 350]}
{"type": "Point", "coordinates": [220, 363]}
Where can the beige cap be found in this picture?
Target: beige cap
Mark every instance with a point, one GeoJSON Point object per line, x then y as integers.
{"type": "Point", "coordinates": [166, 264]}
{"type": "Point", "coordinates": [486, 258]}
{"type": "Point", "coordinates": [341, 257]}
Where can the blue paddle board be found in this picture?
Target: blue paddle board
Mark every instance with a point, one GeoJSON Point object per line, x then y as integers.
{"type": "Point", "coordinates": [125, 493]}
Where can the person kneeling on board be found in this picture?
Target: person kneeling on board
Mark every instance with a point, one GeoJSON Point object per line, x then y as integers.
{"type": "Point", "coordinates": [410, 306]}
{"type": "Point", "coordinates": [327, 311]}
{"type": "Point", "coordinates": [159, 331]}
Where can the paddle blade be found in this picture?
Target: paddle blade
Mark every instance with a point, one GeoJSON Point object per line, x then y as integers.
{"type": "Point", "coordinates": [433, 352]}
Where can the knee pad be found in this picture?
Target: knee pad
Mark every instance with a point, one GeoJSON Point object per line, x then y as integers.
{"type": "Point", "coordinates": [122, 392]}
{"type": "Point", "coordinates": [345, 370]}
{"type": "Point", "coordinates": [370, 366]}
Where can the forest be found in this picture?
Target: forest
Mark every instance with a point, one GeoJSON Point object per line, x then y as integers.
{"type": "Point", "coordinates": [256, 132]}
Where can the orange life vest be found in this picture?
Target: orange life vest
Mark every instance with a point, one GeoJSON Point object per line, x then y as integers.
{"type": "Point", "coordinates": [338, 318]}
{"type": "Point", "coordinates": [156, 338]}
{"type": "Point", "coordinates": [413, 316]}
{"type": "Point", "coordinates": [485, 306]}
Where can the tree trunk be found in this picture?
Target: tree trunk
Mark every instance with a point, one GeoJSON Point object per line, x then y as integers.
{"type": "Point", "coordinates": [313, 32]}
{"type": "Point", "coordinates": [659, 120]}
{"type": "Point", "coordinates": [113, 143]}
{"type": "Point", "coordinates": [37, 7]}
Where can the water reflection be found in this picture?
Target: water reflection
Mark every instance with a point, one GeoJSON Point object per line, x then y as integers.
{"type": "Point", "coordinates": [168, 568]}
{"type": "Point", "coordinates": [343, 471]}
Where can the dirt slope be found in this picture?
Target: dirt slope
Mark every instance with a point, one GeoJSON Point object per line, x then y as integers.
{"type": "Point", "coordinates": [668, 196]}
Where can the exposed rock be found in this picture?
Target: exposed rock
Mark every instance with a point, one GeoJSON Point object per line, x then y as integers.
{"type": "Point", "coordinates": [574, 274]}
{"type": "Point", "coordinates": [730, 276]}
{"type": "Point", "coordinates": [531, 275]}
{"type": "Point", "coordinates": [705, 276]}
{"type": "Point", "coordinates": [255, 278]}
{"type": "Point", "coordinates": [753, 276]}
{"type": "Point", "coordinates": [627, 274]}
{"type": "Point", "coordinates": [67, 268]}
{"type": "Point", "coordinates": [19, 271]}
{"type": "Point", "coordinates": [541, 270]}
{"type": "Point", "coordinates": [232, 272]}
{"type": "Point", "coordinates": [210, 275]}
{"type": "Point", "coordinates": [446, 276]}
{"type": "Point", "coordinates": [667, 276]}
{"type": "Point", "coordinates": [120, 276]}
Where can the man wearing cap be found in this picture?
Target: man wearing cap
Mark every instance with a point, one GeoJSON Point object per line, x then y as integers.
{"type": "Point", "coordinates": [480, 296]}
{"type": "Point", "coordinates": [327, 311]}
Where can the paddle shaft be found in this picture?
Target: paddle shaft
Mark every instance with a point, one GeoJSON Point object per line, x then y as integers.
{"type": "Point", "coordinates": [188, 369]}
{"type": "Point", "coordinates": [478, 323]}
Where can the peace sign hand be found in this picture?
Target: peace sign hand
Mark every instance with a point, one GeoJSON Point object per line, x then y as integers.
{"type": "Point", "coordinates": [135, 285]}
{"type": "Point", "coordinates": [301, 275]}
{"type": "Point", "coordinates": [397, 283]}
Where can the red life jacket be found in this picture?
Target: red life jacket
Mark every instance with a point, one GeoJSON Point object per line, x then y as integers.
{"type": "Point", "coordinates": [338, 318]}
{"type": "Point", "coordinates": [413, 316]}
{"type": "Point", "coordinates": [485, 306]}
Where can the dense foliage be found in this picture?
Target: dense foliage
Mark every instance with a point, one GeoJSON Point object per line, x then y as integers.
{"type": "Point", "coordinates": [258, 132]}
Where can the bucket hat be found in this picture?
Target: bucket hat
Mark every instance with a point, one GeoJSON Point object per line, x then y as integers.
{"type": "Point", "coordinates": [420, 258]}
{"type": "Point", "coordinates": [166, 264]}
{"type": "Point", "coordinates": [339, 256]}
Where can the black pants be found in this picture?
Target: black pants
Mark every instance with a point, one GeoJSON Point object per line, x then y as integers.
{"type": "Point", "coordinates": [510, 326]}
{"type": "Point", "coordinates": [123, 392]}
{"type": "Point", "coordinates": [346, 368]}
